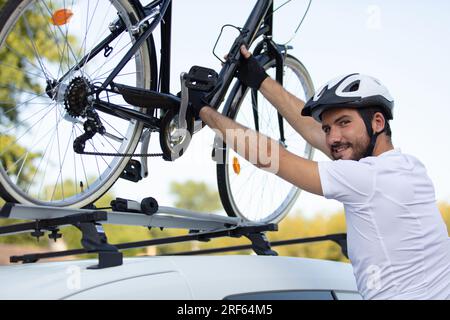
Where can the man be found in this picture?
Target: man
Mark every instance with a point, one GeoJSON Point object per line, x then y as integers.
{"type": "Point", "coordinates": [397, 241]}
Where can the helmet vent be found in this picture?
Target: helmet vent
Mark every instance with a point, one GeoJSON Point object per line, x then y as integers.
{"type": "Point", "coordinates": [322, 92]}
{"type": "Point", "coordinates": [354, 86]}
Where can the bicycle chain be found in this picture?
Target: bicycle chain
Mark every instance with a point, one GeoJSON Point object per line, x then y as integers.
{"type": "Point", "coordinates": [106, 154]}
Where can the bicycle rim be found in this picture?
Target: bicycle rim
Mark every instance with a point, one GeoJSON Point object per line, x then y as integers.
{"type": "Point", "coordinates": [41, 41]}
{"type": "Point", "coordinates": [246, 191]}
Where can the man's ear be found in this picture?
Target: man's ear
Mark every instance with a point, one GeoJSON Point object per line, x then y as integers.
{"type": "Point", "coordinates": [378, 122]}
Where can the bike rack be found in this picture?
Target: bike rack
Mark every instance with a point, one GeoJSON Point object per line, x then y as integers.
{"type": "Point", "coordinates": [202, 227]}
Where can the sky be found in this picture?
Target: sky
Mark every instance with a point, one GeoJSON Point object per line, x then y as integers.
{"type": "Point", "coordinates": [404, 44]}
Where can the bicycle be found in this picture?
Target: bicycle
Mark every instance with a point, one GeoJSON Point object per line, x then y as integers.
{"type": "Point", "coordinates": [70, 128]}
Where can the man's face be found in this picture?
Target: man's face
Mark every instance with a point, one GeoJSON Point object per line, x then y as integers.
{"type": "Point", "coordinates": [345, 132]}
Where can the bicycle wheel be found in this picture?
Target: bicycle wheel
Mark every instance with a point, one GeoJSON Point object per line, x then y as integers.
{"type": "Point", "coordinates": [246, 191]}
{"type": "Point", "coordinates": [40, 43]}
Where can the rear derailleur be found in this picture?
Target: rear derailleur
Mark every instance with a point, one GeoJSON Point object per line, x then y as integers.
{"type": "Point", "coordinates": [92, 126]}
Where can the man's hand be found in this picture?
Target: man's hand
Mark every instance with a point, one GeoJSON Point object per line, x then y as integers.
{"type": "Point", "coordinates": [197, 101]}
{"type": "Point", "coordinates": [250, 72]}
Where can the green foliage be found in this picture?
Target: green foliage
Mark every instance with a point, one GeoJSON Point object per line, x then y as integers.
{"type": "Point", "coordinates": [190, 195]}
{"type": "Point", "coordinates": [18, 161]}
{"type": "Point", "coordinates": [293, 226]}
{"type": "Point", "coordinates": [31, 42]}
{"type": "Point", "coordinates": [19, 55]}
{"type": "Point", "coordinates": [197, 196]}
{"type": "Point", "coordinates": [296, 226]}
{"type": "Point", "coordinates": [444, 208]}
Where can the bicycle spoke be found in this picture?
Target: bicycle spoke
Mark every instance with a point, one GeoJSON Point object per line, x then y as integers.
{"type": "Point", "coordinates": [94, 74]}
{"type": "Point", "coordinates": [14, 88]}
{"type": "Point", "coordinates": [17, 139]}
{"type": "Point", "coordinates": [61, 165]}
{"type": "Point", "coordinates": [39, 165]}
{"type": "Point", "coordinates": [24, 103]}
{"type": "Point", "coordinates": [112, 127]}
{"type": "Point", "coordinates": [75, 181]}
{"type": "Point", "coordinates": [84, 171]}
{"type": "Point", "coordinates": [21, 124]}
{"type": "Point", "coordinates": [42, 138]}
{"type": "Point", "coordinates": [54, 41]}
{"type": "Point", "coordinates": [118, 76]}
{"type": "Point", "coordinates": [65, 35]}
{"type": "Point", "coordinates": [50, 130]}
{"type": "Point", "coordinates": [49, 30]}
{"type": "Point", "coordinates": [59, 157]}
{"type": "Point", "coordinates": [95, 149]}
{"type": "Point", "coordinates": [18, 54]}
{"type": "Point", "coordinates": [38, 56]}
{"type": "Point", "coordinates": [28, 152]}
{"type": "Point", "coordinates": [117, 151]}
{"type": "Point", "coordinates": [46, 166]}
{"type": "Point", "coordinates": [98, 37]}
{"type": "Point", "coordinates": [101, 76]}
{"type": "Point", "coordinates": [88, 27]}
{"type": "Point", "coordinates": [22, 70]}
{"type": "Point", "coordinates": [255, 194]}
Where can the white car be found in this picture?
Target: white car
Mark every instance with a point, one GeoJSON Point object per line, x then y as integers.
{"type": "Point", "coordinates": [229, 277]}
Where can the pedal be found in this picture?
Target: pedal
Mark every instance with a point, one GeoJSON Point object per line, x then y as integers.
{"type": "Point", "coordinates": [132, 171]}
{"type": "Point", "coordinates": [201, 78]}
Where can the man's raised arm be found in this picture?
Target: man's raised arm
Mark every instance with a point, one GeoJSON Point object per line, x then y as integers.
{"type": "Point", "coordinates": [287, 104]}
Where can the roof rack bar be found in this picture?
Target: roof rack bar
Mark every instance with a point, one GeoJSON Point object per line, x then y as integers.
{"type": "Point", "coordinates": [339, 238]}
{"type": "Point", "coordinates": [166, 217]}
{"type": "Point", "coordinates": [35, 257]}
{"type": "Point", "coordinates": [235, 232]}
{"type": "Point", "coordinates": [238, 231]}
{"type": "Point", "coordinates": [50, 224]}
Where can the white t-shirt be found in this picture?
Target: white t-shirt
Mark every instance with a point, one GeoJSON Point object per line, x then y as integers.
{"type": "Point", "coordinates": [398, 243]}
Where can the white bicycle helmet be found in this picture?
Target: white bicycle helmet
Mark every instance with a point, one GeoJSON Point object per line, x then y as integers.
{"type": "Point", "coordinates": [350, 91]}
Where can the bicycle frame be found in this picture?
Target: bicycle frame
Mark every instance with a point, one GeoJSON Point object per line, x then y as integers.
{"type": "Point", "coordinates": [258, 23]}
{"type": "Point", "coordinates": [81, 97]}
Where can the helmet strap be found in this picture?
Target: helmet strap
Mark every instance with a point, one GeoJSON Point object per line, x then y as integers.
{"type": "Point", "coordinates": [371, 146]}
{"type": "Point", "coordinates": [373, 137]}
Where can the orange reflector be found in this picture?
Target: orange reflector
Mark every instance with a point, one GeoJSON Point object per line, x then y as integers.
{"type": "Point", "coordinates": [236, 166]}
{"type": "Point", "coordinates": [61, 17]}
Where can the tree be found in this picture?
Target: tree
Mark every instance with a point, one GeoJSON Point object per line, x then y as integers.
{"type": "Point", "coordinates": [444, 208]}
{"type": "Point", "coordinates": [190, 195]}
{"type": "Point", "coordinates": [115, 233]}
{"type": "Point", "coordinates": [196, 196]}
{"type": "Point", "coordinates": [20, 76]}
{"type": "Point", "coordinates": [296, 226]}
{"type": "Point", "coordinates": [18, 54]}
{"type": "Point", "coordinates": [18, 161]}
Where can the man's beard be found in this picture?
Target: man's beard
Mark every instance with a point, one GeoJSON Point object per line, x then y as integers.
{"type": "Point", "coordinates": [359, 150]}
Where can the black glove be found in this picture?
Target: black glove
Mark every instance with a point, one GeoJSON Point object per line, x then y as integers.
{"type": "Point", "coordinates": [197, 99]}
{"type": "Point", "coordinates": [250, 72]}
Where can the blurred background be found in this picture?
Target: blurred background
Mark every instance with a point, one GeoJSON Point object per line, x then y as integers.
{"type": "Point", "coordinates": [404, 44]}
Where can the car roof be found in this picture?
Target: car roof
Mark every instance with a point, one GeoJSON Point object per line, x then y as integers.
{"type": "Point", "coordinates": [173, 277]}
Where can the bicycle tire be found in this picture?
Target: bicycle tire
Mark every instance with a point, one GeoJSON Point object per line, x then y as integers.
{"type": "Point", "coordinates": [98, 183]}
{"type": "Point", "coordinates": [239, 208]}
